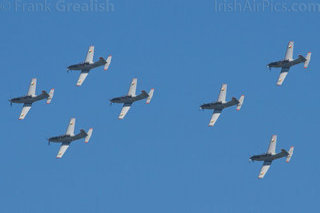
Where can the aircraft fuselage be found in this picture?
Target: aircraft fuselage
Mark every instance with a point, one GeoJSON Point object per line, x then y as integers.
{"type": "Point", "coordinates": [219, 105]}
{"type": "Point", "coordinates": [86, 65]}
{"type": "Point", "coordinates": [269, 157]}
{"type": "Point", "coordinates": [284, 63]}
{"type": "Point", "coordinates": [130, 99]}
{"type": "Point", "coordinates": [287, 63]}
{"type": "Point", "coordinates": [68, 138]}
{"type": "Point", "coordinates": [29, 99]}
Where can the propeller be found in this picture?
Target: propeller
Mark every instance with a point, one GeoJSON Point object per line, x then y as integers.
{"type": "Point", "coordinates": [250, 160]}
{"type": "Point", "coordinates": [10, 102]}
{"type": "Point", "coordinates": [49, 142]}
{"type": "Point", "coordinates": [269, 68]}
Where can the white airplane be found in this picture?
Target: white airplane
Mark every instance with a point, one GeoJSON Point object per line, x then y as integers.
{"type": "Point", "coordinates": [271, 155]}
{"type": "Point", "coordinates": [31, 97]}
{"type": "Point", "coordinates": [221, 104]}
{"type": "Point", "coordinates": [288, 62]}
{"type": "Point", "coordinates": [129, 99]}
{"type": "Point", "coordinates": [88, 64]}
{"type": "Point", "coordinates": [69, 137]}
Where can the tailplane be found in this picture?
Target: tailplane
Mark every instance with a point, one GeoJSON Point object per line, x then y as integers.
{"type": "Point", "coordinates": [290, 153]}
{"type": "Point", "coordinates": [240, 102]}
{"type": "Point", "coordinates": [150, 95]}
{"type": "Point", "coordinates": [108, 62]}
{"type": "Point", "coordinates": [50, 96]}
{"type": "Point", "coordinates": [89, 133]}
{"type": "Point", "coordinates": [308, 58]}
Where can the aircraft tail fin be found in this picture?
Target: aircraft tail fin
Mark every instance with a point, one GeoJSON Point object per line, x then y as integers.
{"type": "Point", "coordinates": [240, 102]}
{"type": "Point", "coordinates": [150, 95]}
{"type": "Point", "coordinates": [108, 62]}
{"type": "Point", "coordinates": [290, 153]}
{"type": "Point", "coordinates": [308, 58]}
{"type": "Point", "coordinates": [89, 133]}
{"type": "Point", "coordinates": [49, 99]}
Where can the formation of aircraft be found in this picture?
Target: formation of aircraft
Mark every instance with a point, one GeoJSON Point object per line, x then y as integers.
{"type": "Point", "coordinates": [31, 97]}
{"type": "Point", "coordinates": [69, 137]}
{"type": "Point", "coordinates": [88, 64]}
{"type": "Point", "coordinates": [288, 62]}
{"type": "Point", "coordinates": [131, 97]}
{"type": "Point", "coordinates": [271, 155]}
{"type": "Point", "coordinates": [221, 104]}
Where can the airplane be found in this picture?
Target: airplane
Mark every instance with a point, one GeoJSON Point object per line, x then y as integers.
{"type": "Point", "coordinates": [129, 99]}
{"type": "Point", "coordinates": [88, 64]}
{"type": "Point", "coordinates": [288, 62]}
{"type": "Point", "coordinates": [271, 155]}
{"type": "Point", "coordinates": [30, 98]}
{"type": "Point", "coordinates": [69, 137]}
{"type": "Point", "coordinates": [221, 104]}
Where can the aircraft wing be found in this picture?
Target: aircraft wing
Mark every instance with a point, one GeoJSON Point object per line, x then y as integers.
{"type": "Point", "coordinates": [32, 88]}
{"type": "Point", "coordinates": [63, 149]}
{"type": "Point", "coordinates": [265, 167]}
{"type": "Point", "coordinates": [283, 75]}
{"type": "Point", "coordinates": [82, 77]}
{"type": "Point", "coordinates": [71, 126]}
{"type": "Point", "coordinates": [289, 52]}
{"type": "Point", "coordinates": [26, 108]}
{"type": "Point", "coordinates": [223, 93]}
{"type": "Point", "coordinates": [272, 145]}
{"type": "Point", "coordinates": [133, 87]}
{"type": "Point", "coordinates": [89, 57]}
{"type": "Point", "coordinates": [124, 110]}
{"type": "Point", "coordinates": [215, 116]}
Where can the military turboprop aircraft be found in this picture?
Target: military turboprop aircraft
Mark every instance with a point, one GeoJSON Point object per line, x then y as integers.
{"type": "Point", "coordinates": [88, 64]}
{"type": "Point", "coordinates": [129, 99]}
{"type": "Point", "coordinates": [31, 97]}
{"type": "Point", "coordinates": [271, 155]}
{"type": "Point", "coordinates": [69, 137]}
{"type": "Point", "coordinates": [221, 104]}
{"type": "Point", "coordinates": [289, 62]}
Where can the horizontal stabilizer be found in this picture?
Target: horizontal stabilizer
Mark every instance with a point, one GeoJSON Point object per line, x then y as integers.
{"type": "Point", "coordinates": [308, 58]}
{"type": "Point", "coordinates": [89, 133]}
{"type": "Point", "coordinates": [108, 62]}
{"type": "Point", "coordinates": [290, 153]}
{"type": "Point", "coordinates": [240, 102]}
{"type": "Point", "coordinates": [50, 96]}
{"type": "Point", "coordinates": [150, 96]}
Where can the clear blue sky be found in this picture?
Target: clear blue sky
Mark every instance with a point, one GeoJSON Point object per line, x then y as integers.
{"type": "Point", "coordinates": [162, 157]}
